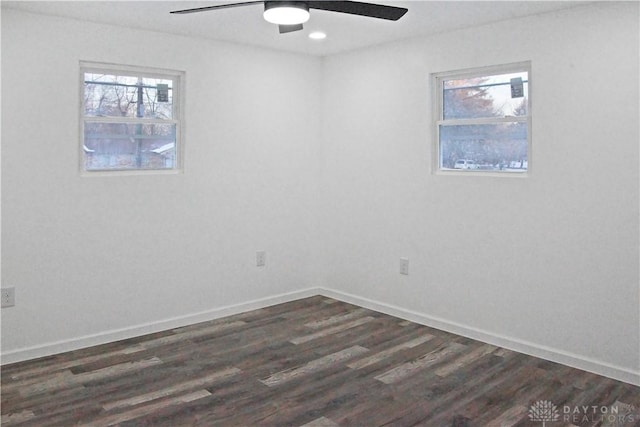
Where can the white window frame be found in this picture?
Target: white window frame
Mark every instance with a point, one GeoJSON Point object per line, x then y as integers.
{"type": "Point", "coordinates": [437, 85]}
{"type": "Point", "coordinates": [178, 102]}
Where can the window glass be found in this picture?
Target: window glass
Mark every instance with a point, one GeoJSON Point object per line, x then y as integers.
{"type": "Point", "coordinates": [108, 95]}
{"type": "Point", "coordinates": [488, 96]}
{"type": "Point", "coordinates": [489, 146]}
{"type": "Point", "coordinates": [483, 119]}
{"type": "Point", "coordinates": [130, 119]}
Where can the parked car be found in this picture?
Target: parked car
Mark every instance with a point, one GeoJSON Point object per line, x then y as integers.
{"type": "Point", "coordinates": [519, 164]}
{"type": "Point", "coordinates": [465, 164]}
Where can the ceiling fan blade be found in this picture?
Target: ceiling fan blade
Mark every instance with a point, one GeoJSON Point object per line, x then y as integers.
{"type": "Point", "coordinates": [289, 28]}
{"type": "Point", "coordinates": [218, 6]}
{"type": "Point", "coordinates": [381, 11]}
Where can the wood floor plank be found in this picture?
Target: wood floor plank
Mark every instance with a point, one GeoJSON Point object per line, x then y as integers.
{"type": "Point", "coordinates": [66, 379]}
{"type": "Point", "coordinates": [339, 318]}
{"type": "Point", "coordinates": [381, 355]}
{"type": "Point", "coordinates": [321, 422]}
{"type": "Point", "coordinates": [331, 330]}
{"type": "Point", "coordinates": [510, 417]}
{"type": "Point", "coordinates": [406, 369]}
{"type": "Point", "coordinates": [138, 412]}
{"type": "Point", "coordinates": [180, 336]}
{"type": "Point", "coordinates": [313, 366]}
{"type": "Point", "coordinates": [174, 389]}
{"type": "Point", "coordinates": [15, 418]}
{"type": "Point", "coordinates": [469, 357]}
{"type": "Point", "coordinates": [314, 362]}
{"type": "Point", "coordinates": [37, 371]}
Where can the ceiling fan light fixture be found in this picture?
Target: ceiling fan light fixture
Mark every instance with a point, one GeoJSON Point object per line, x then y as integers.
{"type": "Point", "coordinates": [286, 12]}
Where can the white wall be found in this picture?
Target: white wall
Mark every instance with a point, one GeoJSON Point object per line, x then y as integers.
{"type": "Point", "coordinates": [93, 255]}
{"type": "Point", "coordinates": [548, 263]}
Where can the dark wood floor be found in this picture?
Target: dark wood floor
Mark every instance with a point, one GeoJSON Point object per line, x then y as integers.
{"type": "Point", "coordinates": [316, 362]}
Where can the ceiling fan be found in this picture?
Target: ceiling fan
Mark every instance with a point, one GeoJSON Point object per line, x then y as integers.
{"type": "Point", "coordinates": [290, 15]}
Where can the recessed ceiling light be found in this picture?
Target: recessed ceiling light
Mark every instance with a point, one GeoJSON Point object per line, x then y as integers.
{"type": "Point", "coordinates": [317, 35]}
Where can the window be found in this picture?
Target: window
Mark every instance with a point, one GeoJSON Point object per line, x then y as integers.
{"type": "Point", "coordinates": [130, 118]}
{"type": "Point", "coordinates": [484, 119]}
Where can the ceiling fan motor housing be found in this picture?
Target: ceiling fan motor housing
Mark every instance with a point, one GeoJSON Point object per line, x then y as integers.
{"type": "Point", "coordinates": [286, 12]}
{"type": "Point", "coordinates": [270, 4]}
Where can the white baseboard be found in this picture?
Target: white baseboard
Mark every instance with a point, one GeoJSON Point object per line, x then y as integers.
{"type": "Point", "coordinates": [547, 353]}
{"type": "Point", "coordinates": [543, 352]}
{"type": "Point", "coordinates": [52, 348]}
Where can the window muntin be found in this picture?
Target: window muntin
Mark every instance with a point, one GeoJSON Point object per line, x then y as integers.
{"type": "Point", "coordinates": [483, 117]}
{"type": "Point", "coordinates": [130, 119]}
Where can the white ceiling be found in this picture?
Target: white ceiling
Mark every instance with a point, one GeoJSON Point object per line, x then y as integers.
{"type": "Point", "coordinates": [246, 25]}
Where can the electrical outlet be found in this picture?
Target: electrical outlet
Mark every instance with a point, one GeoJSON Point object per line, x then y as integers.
{"type": "Point", "coordinates": [404, 266]}
{"type": "Point", "coordinates": [8, 297]}
{"type": "Point", "coordinates": [261, 258]}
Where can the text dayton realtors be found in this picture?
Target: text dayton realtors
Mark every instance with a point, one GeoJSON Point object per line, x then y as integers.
{"type": "Point", "coordinates": [609, 414]}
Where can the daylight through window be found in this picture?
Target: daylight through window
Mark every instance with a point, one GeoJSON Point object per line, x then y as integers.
{"type": "Point", "coordinates": [130, 118]}
{"type": "Point", "coordinates": [483, 119]}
